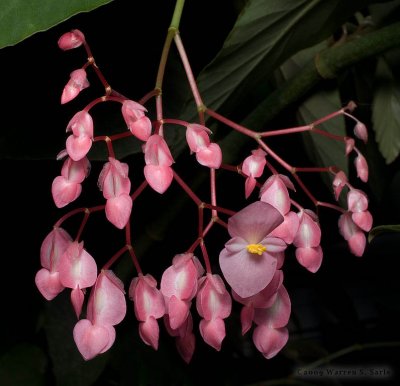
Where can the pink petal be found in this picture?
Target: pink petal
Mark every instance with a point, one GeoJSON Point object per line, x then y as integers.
{"type": "Point", "coordinates": [210, 156]}
{"type": "Point", "coordinates": [269, 341]}
{"type": "Point", "coordinates": [113, 179]}
{"type": "Point", "coordinates": [78, 147]}
{"type": "Point", "coordinates": [197, 137]}
{"type": "Point", "coordinates": [53, 247]}
{"type": "Point", "coordinates": [90, 339]}
{"type": "Point", "coordinates": [357, 200]}
{"type": "Point", "coordinates": [246, 318]}
{"type": "Point", "coordinates": [75, 171]}
{"type": "Point", "coordinates": [275, 192]}
{"type": "Point", "coordinates": [77, 298]}
{"type": "Point", "coordinates": [118, 210]}
{"type": "Point", "coordinates": [70, 40]}
{"type": "Point", "coordinates": [310, 257]}
{"type": "Point", "coordinates": [77, 267]}
{"type": "Point", "coordinates": [48, 283]}
{"type": "Point", "coordinates": [213, 332]}
{"type": "Point", "coordinates": [141, 128]}
{"type": "Point", "coordinates": [81, 124]}
{"type": "Point", "coordinates": [309, 232]}
{"type": "Point", "coordinates": [360, 131]}
{"type": "Point", "coordinates": [288, 229]}
{"type": "Point", "coordinates": [108, 306]}
{"type": "Point", "coordinates": [156, 152]}
{"type": "Point", "coordinates": [278, 315]}
{"type": "Point", "coordinates": [185, 346]}
{"type": "Point", "coordinates": [254, 222]}
{"type": "Point", "coordinates": [357, 243]}
{"type": "Point", "coordinates": [158, 177]}
{"type": "Point", "coordinates": [253, 165]}
{"type": "Point", "coordinates": [149, 332]}
{"type": "Point", "coordinates": [363, 219]}
{"type": "Point", "coordinates": [249, 186]}
{"type": "Point", "coordinates": [64, 191]}
{"type": "Point", "coordinates": [362, 167]}
{"type": "Point", "coordinates": [245, 272]}
{"type": "Point", "coordinates": [339, 182]}
{"type": "Point", "coordinates": [178, 311]}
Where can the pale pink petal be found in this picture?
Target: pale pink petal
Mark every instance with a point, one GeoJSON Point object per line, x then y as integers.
{"type": "Point", "coordinates": [158, 177]}
{"type": "Point", "coordinates": [254, 222]}
{"type": "Point", "coordinates": [64, 191]}
{"type": "Point", "coordinates": [90, 339]}
{"type": "Point", "coordinates": [253, 165]}
{"type": "Point", "coordinates": [149, 332]}
{"type": "Point", "coordinates": [48, 283]}
{"type": "Point", "coordinates": [118, 210]}
{"type": "Point", "coordinates": [273, 244]}
{"type": "Point", "coordinates": [113, 179]}
{"type": "Point", "coordinates": [247, 273]}
{"type": "Point", "coordinates": [75, 85]}
{"type": "Point", "coordinates": [75, 171]}
{"type": "Point", "coordinates": [111, 335]}
{"type": "Point", "coordinates": [156, 152]}
{"type": "Point", "coordinates": [210, 156]}
{"type": "Point", "coordinates": [269, 341]}
{"type": "Point", "coordinates": [310, 257]}
{"type": "Point", "coordinates": [362, 167]}
{"type": "Point", "coordinates": [339, 182]}
{"type": "Point", "coordinates": [275, 192]}
{"type": "Point", "coordinates": [213, 332]}
{"type": "Point", "coordinates": [349, 145]}
{"type": "Point", "coordinates": [357, 243]}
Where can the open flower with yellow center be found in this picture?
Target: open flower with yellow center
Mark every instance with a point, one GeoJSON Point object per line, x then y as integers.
{"type": "Point", "coordinates": [248, 260]}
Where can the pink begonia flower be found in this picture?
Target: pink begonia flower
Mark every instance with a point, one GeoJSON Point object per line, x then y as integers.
{"type": "Point", "coordinates": [113, 179]}
{"type": "Point", "coordinates": [47, 279]}
{"type": "Point", "coordinates": [271, 335]}
{"type": "Point", "coordinates": [184, 337]}
{"type": "Point", "coordinates": [361, 166]}
{"type": "Point", "coordinates": [357, 203]}
{"type": "Point", "coordinates": [70, 40]}
{"type": "Point", "coordinates": [253, 167]}
{"type": "Point", "coordinates": [67, 187]}
{"type": "Point", "coordinates": [106, 308]}
{"type": "Point", "coordinates": [361, 132]}
{"type": "Point", "coordinates": [136, 120]}
{"type": "Point", "coordinates": [158, 158]}
{"type": "Point", "coordinates": [149, 306]}
{"type": "Point", "coordinates": [213, 304]}
{"type": "Point", "coordinates": [77, 82]}
{"type": "Point", "coordinates": [78, 270]}
{"type": "Point", "coordinates": [79, 142]}
{"type": "Point", "coordinates": [179, 286]}
{"type": "Point", "coordinates": [307, 241]}
{"type": "Point", "coordinates": [352, 233]}
{"type": "Point", "coordinates": [338, 183]}
{"type": "Point", "coordinates": [207, 153]}
{"type": "Point", "coordinates": [247, 261]}
{"type": "Point", "coordinates": [262, 299]}
{"type": "Point", "coordinates": [115, 184]}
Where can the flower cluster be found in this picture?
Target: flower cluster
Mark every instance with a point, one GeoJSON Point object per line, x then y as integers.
{"type": "Point", "coordinates": [251, 263]}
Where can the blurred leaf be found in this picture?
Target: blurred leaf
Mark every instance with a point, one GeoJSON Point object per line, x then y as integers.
{"type": "Point", "coordinates": [383, 229]}
{"type": "Point", "coordinates": [23, 365]}
{"type": "Point", "coordinates": [386, 112]}
{"type": "Point", "coordinates": [322, 151]}
{"type": "Point", "coordinates": [20, 19]}
{"type": "Point", "coordinates": [69, 366]}
{"type": "Point", "coordinates": [266, 33]}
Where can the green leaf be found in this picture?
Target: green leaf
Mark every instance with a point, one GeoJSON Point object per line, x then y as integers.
{"type": "Point", "coordinates": [386, 112]}
{"type": "Point", "coordinates": [20, 19]}
{"type": "Point", "coordinates": [322, 151]}
{"type": "Point", "coordinates": [266, 34]}
{"type": "Point", "coordinates": [382, 229]}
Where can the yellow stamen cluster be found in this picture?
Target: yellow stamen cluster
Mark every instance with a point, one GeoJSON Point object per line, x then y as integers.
{"type": "Point", "coordinates": [256, 249]}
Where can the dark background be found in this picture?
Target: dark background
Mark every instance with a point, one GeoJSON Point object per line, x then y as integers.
{"type": "Point", "coordinates": [349, 301]}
